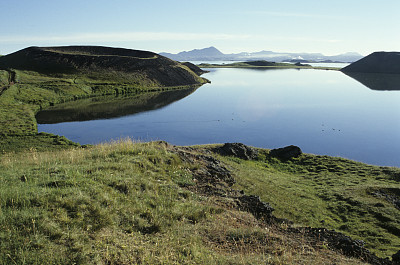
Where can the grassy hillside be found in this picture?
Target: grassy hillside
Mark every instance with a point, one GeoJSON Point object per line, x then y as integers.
{"type": "Point", "coordinates": [126, 202]}
{"type": "Point", "coordinates": [124, 66]}
{"type": "Point", "coordinates": [38, 77]}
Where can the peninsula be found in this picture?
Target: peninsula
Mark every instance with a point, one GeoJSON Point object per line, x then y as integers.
{"type": "Point", "coordinates": [37, 77]}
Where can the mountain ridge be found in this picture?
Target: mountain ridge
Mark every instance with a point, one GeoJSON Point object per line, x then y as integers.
{"type": "Point", "coordinates": [213, 54]}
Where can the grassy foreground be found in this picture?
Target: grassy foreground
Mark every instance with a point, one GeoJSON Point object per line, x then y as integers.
{"type": "Point", "coordinates": [134, 203]}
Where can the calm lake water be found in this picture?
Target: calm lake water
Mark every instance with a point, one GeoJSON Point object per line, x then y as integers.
{"type": "Point", "coordinates": [322, 112]}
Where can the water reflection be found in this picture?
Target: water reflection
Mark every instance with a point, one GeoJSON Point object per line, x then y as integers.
{"type": "Point", "coordinates": [107, 107]}
{"type": "Point", "coordinates": [323, 112]}
{"type": "Point", "coordinates": [377, 81]}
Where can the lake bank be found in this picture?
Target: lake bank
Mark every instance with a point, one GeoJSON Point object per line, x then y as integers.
{"type": "Point", "coordinates": [121, 197]}
{"type": "Point", "coordinates": [323, 112]}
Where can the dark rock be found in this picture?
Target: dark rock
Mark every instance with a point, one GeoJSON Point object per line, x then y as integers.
{"type": "Point", "coordinates": [238, 150]}
{"type": "Point", "coordinates": [286, 153]}
{"type": "Point", "coordinates": [211, 172]}
{"type": "Point", "coordinates": [338, 241]}
{"type": "Point", "coordinates": [254, 205]}
{"type": "Point", "coordinates": [391, 195]}
{"type": "Point", "coordinates": [396, 258]}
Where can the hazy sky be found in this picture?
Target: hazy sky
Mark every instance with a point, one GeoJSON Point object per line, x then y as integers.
{"type": "Point", "coordinates": [327, 26]}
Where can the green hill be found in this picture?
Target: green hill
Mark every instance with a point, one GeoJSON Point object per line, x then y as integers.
{"type": "Point", "coordinates": [38, 77]}
{"type": "Point", "coordinates": [105, 63]}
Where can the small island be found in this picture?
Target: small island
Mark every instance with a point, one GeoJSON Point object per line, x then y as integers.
{"type": "Point", "coordinates": [262, 64]}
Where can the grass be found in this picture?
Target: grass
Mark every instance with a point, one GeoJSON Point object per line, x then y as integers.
{"type": "Point", "coordinates": [32, 91]}
{"type": "Point", "coordinates": [334, 193]}
{"type": "Point", "coordinates": [126, 203]}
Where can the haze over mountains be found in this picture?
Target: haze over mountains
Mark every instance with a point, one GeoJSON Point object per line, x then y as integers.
{"type": "Point", "coordinates": [213, 54]}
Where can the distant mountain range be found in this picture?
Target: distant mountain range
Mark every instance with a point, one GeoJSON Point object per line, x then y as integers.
{"type": "Point", "coordinates": [213, 54]}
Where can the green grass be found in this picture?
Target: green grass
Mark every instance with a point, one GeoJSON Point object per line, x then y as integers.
{"type": "Point", "coordinates": [335, 193]}
{"type": "Point", "coordinates": [33, 91]}
{"type": "Point", "coordinates": [39, 142]}
{"type": "Point", "coordinates": [125, 203]}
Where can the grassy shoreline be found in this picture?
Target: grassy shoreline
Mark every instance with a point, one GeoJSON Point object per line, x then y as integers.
{"type": "Point", "coordinates": [129, 202]}
{"type": "Point", "coordinates": [32, 91]}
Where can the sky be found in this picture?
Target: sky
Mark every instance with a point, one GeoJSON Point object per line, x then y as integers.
{"type": "Point", "coordinates": [330, 27]}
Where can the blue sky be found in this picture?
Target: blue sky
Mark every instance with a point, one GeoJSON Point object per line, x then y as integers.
{"type": "Point", "coordinates": [327, 26]}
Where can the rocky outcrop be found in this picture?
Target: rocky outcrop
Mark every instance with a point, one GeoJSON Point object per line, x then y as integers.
{"type": "Point", "coordinates": [286, 153]}
{"type": "Point", "coordinates": [377, 62]}
{"type": "Point", "coordinates": [213, 178]}
{"type": "Point", "coordinates": [254, 205]}
{"type": "Point", "coordinates": [396, 258]}
{"type": "Point", "coordinates": [340, 242]}
{"type": "Point", "coordinates": [238, 150]}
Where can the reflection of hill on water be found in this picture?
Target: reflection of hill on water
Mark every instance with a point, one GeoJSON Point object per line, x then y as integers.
{"type": "Point", "coordinates": [377, 81]}
{"type": "Point", "coordinates": [109, 106]}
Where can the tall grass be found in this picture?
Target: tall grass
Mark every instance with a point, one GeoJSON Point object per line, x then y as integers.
{"type": "Point", "coordinates": [124, 203]}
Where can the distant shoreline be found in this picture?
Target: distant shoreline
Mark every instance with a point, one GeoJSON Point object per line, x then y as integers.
{"type": "Point", "coordinates": [266, 65]}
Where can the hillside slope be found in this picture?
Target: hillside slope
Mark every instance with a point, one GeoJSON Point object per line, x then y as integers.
{"type": "Point", "coordinates": [154, 203]}
{"type": "Point", "coordinates": [35, 78]}
{"type": "Point", "coordinates": [377, 62]}
{"type": "Point", "coordinates": [142, 67]}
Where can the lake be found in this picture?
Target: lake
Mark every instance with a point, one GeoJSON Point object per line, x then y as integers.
{"type": "Point", "coordinates": [322, 112]}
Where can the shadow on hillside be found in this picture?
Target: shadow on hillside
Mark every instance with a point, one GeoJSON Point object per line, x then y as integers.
{"type": "Point", "coordinates": [107, 107]}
